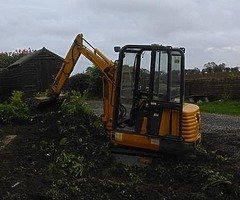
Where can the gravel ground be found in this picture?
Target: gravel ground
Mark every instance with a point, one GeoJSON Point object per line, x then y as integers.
{"type": "Point", "coordinates": [216, 123]}
{"type": "Point", "coordinates": [96, 106]}
{"type": "Point", "coordinates": [222, 133]}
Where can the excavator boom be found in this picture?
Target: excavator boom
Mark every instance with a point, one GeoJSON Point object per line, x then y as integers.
{"type": "Point", "coordinates": [106, 66]}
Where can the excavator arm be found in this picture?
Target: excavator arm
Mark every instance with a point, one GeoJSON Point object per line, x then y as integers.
{"type": "Point", "coordinates": [77, 49]}
{"type": "Point", "coordinates": [106, 66]}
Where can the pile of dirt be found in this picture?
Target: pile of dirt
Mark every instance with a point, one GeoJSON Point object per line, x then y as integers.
{"type": "Point", "coordinates": [57, 156]}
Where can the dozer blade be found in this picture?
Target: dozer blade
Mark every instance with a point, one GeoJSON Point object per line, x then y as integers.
{"type": "Point", "coordinates": [174, 145]}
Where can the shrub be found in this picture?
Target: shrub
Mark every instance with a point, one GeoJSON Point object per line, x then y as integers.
{"type": "Point", "coordinates": [90, 82]}
{"type": "Point", "coordinates": [95, 86]}
{"type": "Point", "coordinates": [79, 82]}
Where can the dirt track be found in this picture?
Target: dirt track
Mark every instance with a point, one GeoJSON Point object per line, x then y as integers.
{"type": "Point", "coordinates": [54, 156]}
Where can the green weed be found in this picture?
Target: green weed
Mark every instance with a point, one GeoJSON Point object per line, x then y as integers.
{"type": "Point", "coordinates": [211, 154]}
{"type": "Point", "coordinates": [68, 163]}
{"type": "Point", "coordinates": [16, 109]}
{"type": "Point", "coordinates": [55, 193]}
{"type": "Point", "coordinates": [76, 103]}
{"type": "Point", "coordinates": [213, 177]}
{"type": "Point", "coordinates": [60, 189]}
{"type": "Point", "coordinates": [42, 94]}
{"type": "Point", "coordinates": [63, 141]}
{"type": "Point", "coordinates": [97, 124]}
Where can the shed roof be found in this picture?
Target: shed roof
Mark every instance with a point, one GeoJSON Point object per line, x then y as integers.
{"type": "Point", "coordinates": [32, 55]}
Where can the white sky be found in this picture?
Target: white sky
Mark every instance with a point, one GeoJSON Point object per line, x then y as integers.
{"type": "Point", "coordinates": [208, 29]}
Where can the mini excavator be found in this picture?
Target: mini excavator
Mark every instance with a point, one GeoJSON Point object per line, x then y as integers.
{"type": "Point", "coordinates": [143, 96]}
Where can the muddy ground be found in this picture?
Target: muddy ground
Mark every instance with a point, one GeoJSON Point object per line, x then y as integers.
{"type": "Point", "coordinates": [56, 156]}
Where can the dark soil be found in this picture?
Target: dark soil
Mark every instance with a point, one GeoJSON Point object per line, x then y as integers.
{"type": "Point", "coordinates": [55, 156]}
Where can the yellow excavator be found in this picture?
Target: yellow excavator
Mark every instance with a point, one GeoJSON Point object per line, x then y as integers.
{"type": "Point", "coordinates": [143, 96]}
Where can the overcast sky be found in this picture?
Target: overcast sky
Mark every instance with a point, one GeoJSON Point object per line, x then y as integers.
{"type": "Point", "coordinates": [208, 29]}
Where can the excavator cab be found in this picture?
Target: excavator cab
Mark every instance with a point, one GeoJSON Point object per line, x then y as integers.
{"type": "Point", "coordinates": [149, 99]}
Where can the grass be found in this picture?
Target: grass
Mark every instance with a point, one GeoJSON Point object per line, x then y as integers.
{"type": "Point", "coordinates": [227, 107]}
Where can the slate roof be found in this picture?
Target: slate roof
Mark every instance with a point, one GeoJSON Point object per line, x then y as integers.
{"type": "Point", "coordinates": [30, 56]}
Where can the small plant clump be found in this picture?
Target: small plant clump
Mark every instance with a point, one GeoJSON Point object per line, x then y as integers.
{"type": "Point", "coordinates": [16, 109]}
{"type": "Point", "coordinates": [42, 94]}
{"type": "Point", "coordinates": [76, 103]}
{"type": "Point", "coordinates": [68, 163]}
{"type": "Point", "coordinates": [213, 177]}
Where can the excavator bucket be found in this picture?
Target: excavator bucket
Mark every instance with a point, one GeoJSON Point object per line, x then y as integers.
{"type": "Point", "coordinates": [48, 103]}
